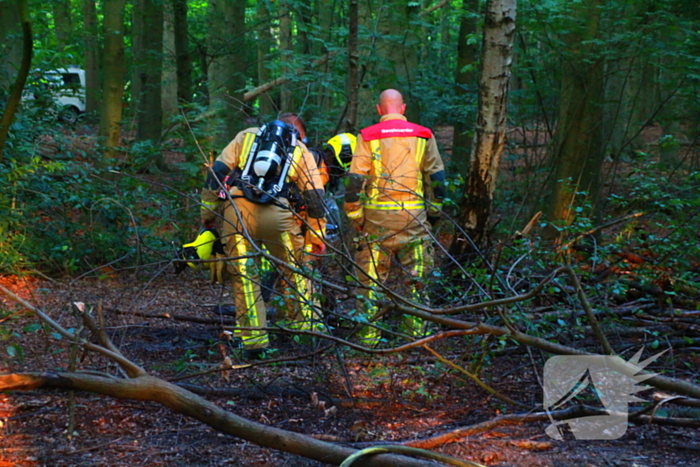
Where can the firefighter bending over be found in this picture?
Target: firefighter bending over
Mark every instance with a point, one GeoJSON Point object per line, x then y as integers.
{"type": "Point", "coordinates": [398, 167]}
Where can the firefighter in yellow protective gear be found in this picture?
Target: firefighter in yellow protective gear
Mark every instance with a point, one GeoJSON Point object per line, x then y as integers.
{"type": "Point", "coordinates": [398, 167]}
{"type": "Point", "coordinates": [270, 224]}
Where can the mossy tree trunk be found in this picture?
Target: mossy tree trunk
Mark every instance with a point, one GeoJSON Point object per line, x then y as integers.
{"type": "Point", "coordinates": [465, 84]}
{"type": "Point", "coordinates": [92, 57]}
{"type": "Point", "coordinates": [15, 93]}
{"type": "Point", "coordinates": [182, 51]}
{"type": "Point", "coordinates": [575, 184]}
{"type": "Point", "coordinates": [149, 71]}
{"type": "Point", "coordinates": [266, 104]}
{"type": "Point", "coordinates": [113, 77]}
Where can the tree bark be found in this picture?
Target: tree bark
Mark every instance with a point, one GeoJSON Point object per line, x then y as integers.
{"type": "Point", "coordinates": [286, 48]}
{"type": "Point", "coordinates": [113, 80]}
{"type": "Point", "coordinates": [228, 65]}
{"type": "Point", "coordinates": [494, 79]}
{"type": "Point", "coordinates": [62, 23]}
{"type": "Point", "coordinates": [169, 86]}
{"type": "Point", "coordinates": [266, 103]}
{"type": "Point", "coordinates": [10, 44]}
{"type": "Point", "coordinates": [21, 77]}
{"type": "Point", "coordinates": [579, 155]}
{"type": "Point", "coordinates": [465, 85]}
{"type": "Point", "coordinates": [182, 51]}
{"type": "Point", "coordinates": [399, 48]}
{"type": "Point", "coordinates": [137, 27]}
{"type": "Point", "coordinates": [149, 68]}
{"type": "Point", "coordinates": [353, 82]}
{"type": "Point", "coordinates": [92, 58]}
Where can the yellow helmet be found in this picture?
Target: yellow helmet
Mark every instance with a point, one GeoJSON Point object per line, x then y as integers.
{"type": "Point", "coordinates": [200, 248]}
{"type": "Point", "coordinates": [344, 147]}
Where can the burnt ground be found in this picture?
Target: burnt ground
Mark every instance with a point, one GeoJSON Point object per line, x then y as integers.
{"type": "Point", "coordinates": [345, 397]}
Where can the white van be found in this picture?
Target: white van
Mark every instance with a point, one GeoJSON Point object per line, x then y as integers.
{"type": "Point", "coordinates": [67, 88]}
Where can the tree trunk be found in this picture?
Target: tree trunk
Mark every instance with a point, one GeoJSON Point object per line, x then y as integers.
{"type": "Point", "coordinates": [266, 103]}
{"type": "Point", "coordinates": [576, 180]}
{"type": "Point", "coordinates": [62, 23]}
{"type": "Point", "coordinates": [236, 69]}
{"type": "Point", "coordinates": [149, 74]}
{"type": "Point", "coordinates": [182, 51]}
{"type": "Point", "coordinates": [228, 66]}
{"type": "Point", "coordinates": [353, 80]}
{"type": "Point", "coordinates": [137, 51]}
{"type": "Point", "coordinates": [476, 205]}
{"type": "Point", "coordinates": [113, 81]}
{"type": "Point", "coordinates": [92, 58]}
{"type": "Point", "coordinates": [465, 84]}
{"type": "Point", "coordinates": [286, 50]}
{"type": "Point", "coordinates": [168, 95]}
{"type": "Point", "coordinates": [325, 17]}
{"type": "Point", "coordinates": [400, 46]}
{"type": "Point", "coordinates": [21, 77]}
{"type": "Point", "coordinates": [10, 45]}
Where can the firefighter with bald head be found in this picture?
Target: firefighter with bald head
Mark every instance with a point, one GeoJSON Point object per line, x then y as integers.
{"type": "Point", "coordinates": [251, 178]}
{"type": "Point", "coordinates": [395, 192]}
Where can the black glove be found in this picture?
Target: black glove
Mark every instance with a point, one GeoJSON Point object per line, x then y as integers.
{"type": "Point", "coordinates": [433, 220]}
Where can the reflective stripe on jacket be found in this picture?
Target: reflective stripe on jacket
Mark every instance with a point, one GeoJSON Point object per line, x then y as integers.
{"type": "Point", "coordinates": [396, 159]}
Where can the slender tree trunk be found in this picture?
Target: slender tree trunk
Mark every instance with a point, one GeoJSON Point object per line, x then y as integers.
{"type": "Point", "coordinates": [579, 152]}
{"type": "Point", "coordinates": [237, 69]}
{"type": "Point", "coordinates": [303, 15]}
{"type": "Point", "coordinates": [494, 78]}
{"type": "Point", "coordinates": [182, 51]}
{"type": "Point", "coordinates": [92, 58]}
{"type": "Point", "coordinates": [400, 48]}
{"type": "Point", "coordinates": [10, 45]}
{"type": "Point", "coordinates": [445, 31]}
{"type": "Point", "coordinates": [326, 16]}
{"type": "Point", "coordinates": [266, 103]}
{"type": "Point", "coordinates": [137, 51]}
{"type": "Point", "coordinates": [149, 74]}
{"type": "Point", "coordinates": [169, 81]}
{"type": "Point", "coordinates": [286, 49]}
{"type": "Point", "coordinates": [21, 77]}
{"type": "Point", "coordinates": [465, 85]}
{"type": "Point", "coordinates": [62, 23]}
{"type": "Point", "coordinates": [353, 82]}
{"type": "Point", "coordinates": [114, 72]}
{"type": "Point", "coordinates": [228, 67]}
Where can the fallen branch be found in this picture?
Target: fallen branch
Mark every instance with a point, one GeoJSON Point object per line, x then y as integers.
{"type": "Point", "coordinates": [176, 317]}
{"type": "Point", "coordinates": [144, 387]}
{"type": "Point", "coordinates": [519, 419]}
{"type": "Point", "coordinates": [179, 400]}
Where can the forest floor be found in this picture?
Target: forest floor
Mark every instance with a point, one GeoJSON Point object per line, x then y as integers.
{"type": "Point", "coordinates": [345, 397]}
{"type": "Point", "coordinates": [169, 324]}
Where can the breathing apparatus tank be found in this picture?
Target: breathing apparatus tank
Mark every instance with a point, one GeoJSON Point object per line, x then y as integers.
{"type": "Point", "coordinates": [264, 175]}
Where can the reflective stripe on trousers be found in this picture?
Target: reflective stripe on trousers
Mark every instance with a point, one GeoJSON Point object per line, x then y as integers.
{"type": "Point", "coordinates": [303, 293]}
{"type": "Point", "coordinates": [254, 338]}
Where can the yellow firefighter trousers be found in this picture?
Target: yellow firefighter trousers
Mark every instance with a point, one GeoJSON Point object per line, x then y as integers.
{"type": "Point", "coordinates": [275, 228]}
{"type": "Point", "coordinates": [387, 235]}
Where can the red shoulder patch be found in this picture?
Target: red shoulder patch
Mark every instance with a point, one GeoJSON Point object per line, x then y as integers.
{"type": "Point", "coordinates": [394, 129]}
